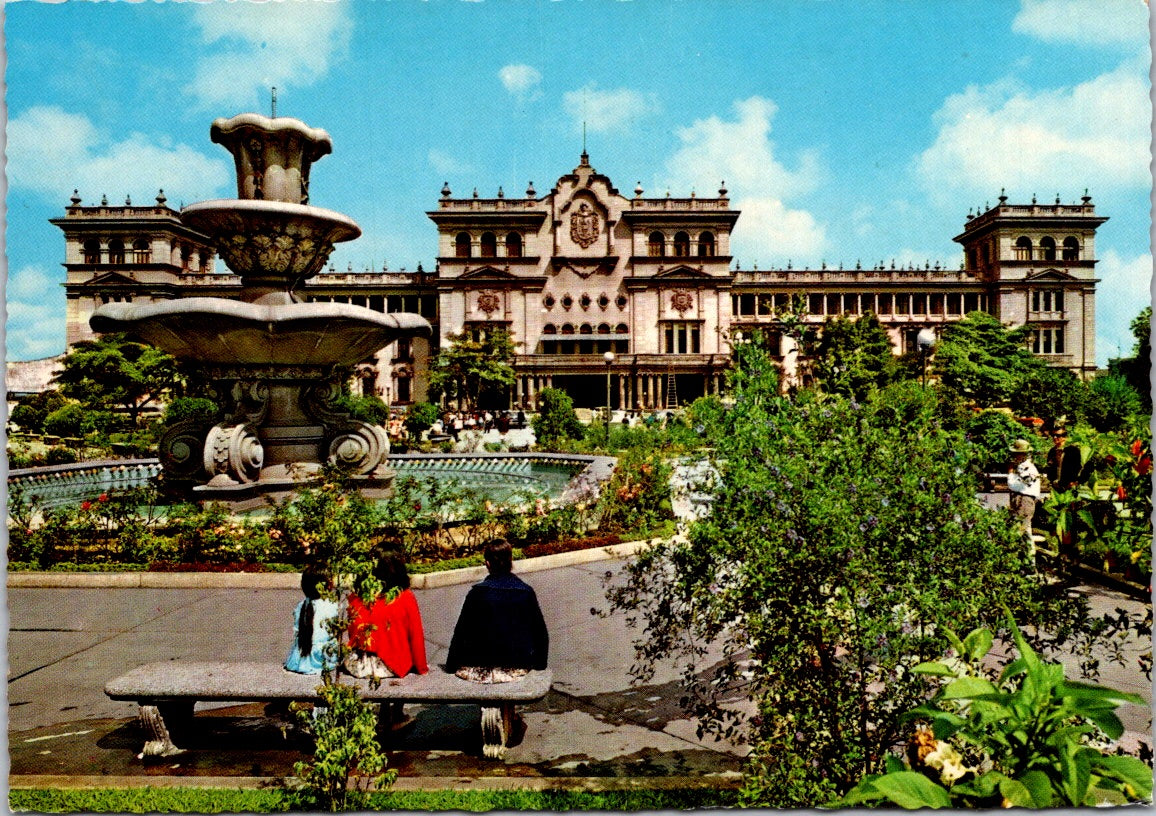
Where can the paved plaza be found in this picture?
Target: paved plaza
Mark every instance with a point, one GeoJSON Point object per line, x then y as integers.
{"type": "Point", "coordinates": [65, 643]}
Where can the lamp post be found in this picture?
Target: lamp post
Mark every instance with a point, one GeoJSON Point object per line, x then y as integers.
{"type": "Point", "coordinates": [925, 340]}
{"type": "Point", "coordinates": [609, 358]}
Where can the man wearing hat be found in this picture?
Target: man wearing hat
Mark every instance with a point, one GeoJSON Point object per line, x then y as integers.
{"type": "Point", "coordinates": [1023, 480]}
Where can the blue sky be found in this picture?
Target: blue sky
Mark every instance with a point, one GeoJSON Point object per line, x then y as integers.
{"type": "Point", "coordinates": [845, 131]}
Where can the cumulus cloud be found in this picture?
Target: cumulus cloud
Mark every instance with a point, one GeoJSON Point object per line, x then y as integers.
{"type": "Point", "coordinates": [1124, 289]}
{"type": "Point", "coordinates": [521, 80]}
{"type": "Point", "coordinates": [255, 46]}
{"type": "Point", "coordinates": [1084, 22]}
{"type": "Point", "coordinates": [608, 111]}
{"type": "Point", "coordinates": [1095, 134]}
{"type": "Point", "coordinates": [740, 152]}
{"type": "Point", "coordinates": [35, 307]}
{"type": "Point", "coordinates": [52, 152]}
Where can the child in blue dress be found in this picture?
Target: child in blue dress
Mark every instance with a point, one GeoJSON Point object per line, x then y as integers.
{"type": "Point", "coordinates": [314, 648]}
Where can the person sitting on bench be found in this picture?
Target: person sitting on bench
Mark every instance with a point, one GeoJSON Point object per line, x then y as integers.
{"type": "Point", "coordinates": [314, 647]}
{"type": "Point", "coordinates": [500, 633]}
{"type": "Point", "coordinates": [386, 634]}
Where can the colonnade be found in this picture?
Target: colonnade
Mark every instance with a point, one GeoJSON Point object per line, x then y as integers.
{"type": "Point", "coordinates": [645, 391]}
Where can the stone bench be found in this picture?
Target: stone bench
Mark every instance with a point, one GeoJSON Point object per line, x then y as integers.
{"type": "Point", "coordinates": [167, 691]}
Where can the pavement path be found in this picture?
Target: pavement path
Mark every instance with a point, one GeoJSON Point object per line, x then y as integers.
{"type": "Point", "coordinates": [66, 642]}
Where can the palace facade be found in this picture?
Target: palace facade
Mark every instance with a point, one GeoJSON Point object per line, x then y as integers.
{"type": "Point", "coordinates": [596, 285]}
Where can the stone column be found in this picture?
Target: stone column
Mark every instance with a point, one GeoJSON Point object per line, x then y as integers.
{"type": "Point", "coordinates": [661, 391]}
{"type": "Point", "coordinates": [622, 403]}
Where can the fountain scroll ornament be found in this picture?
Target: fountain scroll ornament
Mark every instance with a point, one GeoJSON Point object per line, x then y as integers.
{"type": "Point", "coordinates": [273, 359]}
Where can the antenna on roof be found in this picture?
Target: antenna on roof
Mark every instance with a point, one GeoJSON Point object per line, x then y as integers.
{"type": "Point", "coordinates": [273, 102]}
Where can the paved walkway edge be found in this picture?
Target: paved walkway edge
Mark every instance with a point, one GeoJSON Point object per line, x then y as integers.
{"type": "Point", "coordinates": [405, 783]}
{"type": "Point", "coordinates": [292, 580]}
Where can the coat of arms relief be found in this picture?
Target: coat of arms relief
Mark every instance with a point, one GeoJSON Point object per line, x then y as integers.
{"type": "Point", "coordinates": [584, 225]}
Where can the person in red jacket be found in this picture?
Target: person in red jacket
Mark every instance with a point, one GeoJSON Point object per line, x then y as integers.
{"type": "Point", "coordinates": [386, 635]}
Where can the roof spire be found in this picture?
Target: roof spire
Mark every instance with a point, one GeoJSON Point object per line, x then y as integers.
{"type": "Point", "coordinates": [273, 103]}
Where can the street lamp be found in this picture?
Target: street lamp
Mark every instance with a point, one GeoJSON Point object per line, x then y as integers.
{"type": "Point", "coordinates": [925, 340]}
{"type": "Point", "coordinates": [609, 358]}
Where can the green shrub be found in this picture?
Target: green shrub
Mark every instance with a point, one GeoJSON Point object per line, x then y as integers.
{"type": "Point", "coordinates": [420, 418]}
{"type": "Point", "coordinates": [30, 411]}
{"type": "Point", "coordinates": [61, 456]}
{"type": "Point", "coordinates": [68, 420]}
{"type": "Point", "coordinates": [198, 409]}
{"type": "Point", "coordinates": [992, 433]}
{"type": "Point", "coordinates": [555, 420]}
{"type": "Point", "coordinates": [1111, 402]}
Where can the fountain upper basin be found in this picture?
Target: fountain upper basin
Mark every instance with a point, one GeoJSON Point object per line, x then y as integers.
{"type": "Point", "coordinates": [216, 331]}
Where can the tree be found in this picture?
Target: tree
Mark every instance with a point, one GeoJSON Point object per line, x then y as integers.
{"type": "Point", "coordinates": [855, 357]}
{"type": "Point", "coordinates": [1050, 394]}
{"type": "Point", "coordinates": [844, 538]}
{"type": "Point", "coordinates": [1112, 402]}
{"type": "Point", "coordinates": [420, 417]}
{"type": "Point", "coordinates": [117, 372]}
{"type": "Point", "coordinates": [983, 360]}
{"type": "Point", "coordinates": [556, 419]}
{"type": "Point", "coordinates": [1137, 369]}
{"type": "Point", "coordinates": [30, 411]}
{"type": "Point", "coordinates": [473, 368]}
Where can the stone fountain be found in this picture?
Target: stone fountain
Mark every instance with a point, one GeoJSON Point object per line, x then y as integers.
{"type": "Point", "coordinates": [275, 361]}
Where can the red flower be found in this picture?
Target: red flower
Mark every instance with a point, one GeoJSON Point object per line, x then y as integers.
{"type": "Point", "coordinates": [86, 505]}
{"type": "Point", "coordinates": [103, 497]}
{"type": "Point", "coordinates": [1144, 466]}
{"type": "Point", "coordinates": [417, 506]}
{"type": "Point", "coordinates": [1121, 493]}
{"type": "Point", "coordinates": [1137, 446]}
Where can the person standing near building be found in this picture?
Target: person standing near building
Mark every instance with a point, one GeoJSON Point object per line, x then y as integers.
{"type": "Point", "coordinates": [1063, 467]}
{"type": "Point", "coordinates": [1023, 482]}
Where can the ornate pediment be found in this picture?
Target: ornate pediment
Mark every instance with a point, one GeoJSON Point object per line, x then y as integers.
{"type": "Point", "coordinates": [110, 279]}
{"type": "Point", "coordinates": [681, 271]}
{"type": "Point", "coordinates": [1043, 276]}
{"type": "Point", "coordinates": [487, 272]}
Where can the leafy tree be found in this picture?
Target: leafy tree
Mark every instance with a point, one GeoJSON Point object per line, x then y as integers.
{"type": "Point", "coordinates": [472, 369]}
{"type": "Point", "coordinates": [1137, 369]}
{"type": "Point", "coordinates": [68, 420]}
{"type": "Point", "coordinates": [983, 360]}
{"type": "Point", "coordinates": [844, 538]}
{"type": "Point", "coordinates": [30, 411]}
{"type": "Point", "coordinates": [1112, 402]}
{"type": "Point", "coordinates": [420, 417]}
{"type": "Point", "coordinates": [115, 371]}
{"type": "Point", "coordinates": [1050, 394]}
{"type": "Point", "coordinates": [991, 434]}
{"type": "Point", "coordinates": [556, 419]}
{"type": "Point", "coordinates": [855, 356]}
{"type": "Point", "coordinates": [184, 408]}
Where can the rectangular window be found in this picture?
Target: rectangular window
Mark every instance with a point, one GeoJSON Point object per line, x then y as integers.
{"type": "Point", "coordinates": [766, 305]}
{"type": "Point", "coordinates": [1046, 346]}
{"type": "Point", "coordinates": [884, 304]}
{"type": "Point", "coordinates": [833, 304]}
{"type": "Point", "coordinates": [694, 339]}
{"type": "Point", "coordinates": [919, 304]}
{"type": "Point", "coordinates": [782, 302]}
{"type": "Point", "coordinates": [851, 304]}
{"type": "Point", "coordinates": [953, 304]}
{"type": "Point", "coordinates": [937, 304]}
{"type": "Point", "coordinates": [815, 304]}
{"type": "Point", "coordinates": [1059, 342]}
{"type": "Point", "coordinates": [1058, 302]}
{"type": "Point", "coordinates": [747, 305]}
{"type": "Point", "coordinates": [903, 304]}
{"type": "Point", "coordinates": [1036, 300]}
{"type": "Point", "coordinates": [867, 304]}
{"type": "Point", "coordinates": [393, 303]}
{"type": "Point", "coordinates": [429, 306]}
{"type": "Point", "coordinates": [669, 338]}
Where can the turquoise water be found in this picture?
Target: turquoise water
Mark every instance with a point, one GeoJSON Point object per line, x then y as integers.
{"type": "Point", "coordinates": [500, 478]}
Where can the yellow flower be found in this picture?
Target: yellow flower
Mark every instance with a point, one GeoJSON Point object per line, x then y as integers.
{"type": "Point", "coordinates": [948, 762]}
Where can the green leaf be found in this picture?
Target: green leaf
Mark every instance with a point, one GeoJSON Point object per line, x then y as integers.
{"type": "Point", "coordinates": [1017, 793]}
{"type": "Point", "coordinates": [912, 790]}
{"type": "Point", "coordinates": [935, 668]}
{"type": "Point", "coordinates": [977, 644]}
{"type": "Point", "coordinates": [1132, 773]}
{"type": "Point", "coordinates": [966, 687]}
{"type": "Point", "coordinates": [1040, 788]}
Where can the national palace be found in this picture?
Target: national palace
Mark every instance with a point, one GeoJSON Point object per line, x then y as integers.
{"type": "Point", "coordinates": [590, 282]}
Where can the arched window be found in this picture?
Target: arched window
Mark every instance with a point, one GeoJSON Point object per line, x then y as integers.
{"type": "Point", "coordinates": [681, 245]}
{"type": "Point", "coordinates": [549, 328]}
{"type": "Point", "coordinates": [116, 251]}
{"type": "Point", "coordinates": [92, 251]}
{"type": "Point", "coordinates": [1023, 248]}
{"type": "Point", "coordinates": [706, 245]}
{"type": "Point", "coordinates": [604, 328]}
{"type": "Point", "coordinates": [1071, 248]}
{"type": "Point", "coordinates": [141, 252]}
{"type": "Point", "coordinates": [489, 245]}
{"type": "Point", "coordinates": [586, 328]}
{"type": "Point", "coordinates": [462, 245]}
{"type": "Point", "coordinates": [656, 245]}
{"type": "Point", "coordinates": [567, 328]}
{"type": "Point", "coordinates": [1048, 248]}
{"type": "Point", "coordinates": [513, 245]}
{"type": "Point", "coordinates": [621, 328]}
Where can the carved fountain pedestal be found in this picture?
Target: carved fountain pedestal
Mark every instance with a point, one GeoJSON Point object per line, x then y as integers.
{"type": "Point", "coordinates": [274, 360]}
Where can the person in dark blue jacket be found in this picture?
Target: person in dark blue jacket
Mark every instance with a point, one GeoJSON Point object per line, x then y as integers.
{"type": "Point", "coordinates": [500, 634]}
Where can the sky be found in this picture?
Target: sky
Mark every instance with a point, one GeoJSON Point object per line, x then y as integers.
{"type": "Point", "coordinates": [845, 130]}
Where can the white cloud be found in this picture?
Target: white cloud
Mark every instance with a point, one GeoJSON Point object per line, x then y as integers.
{"type": "Point", "coordinates": [53, 152]}
{"type": "Point", "coordinates": [1095, 134]}
{"type": "Point", "coordinates": [607, 111]}
{"type": "Point", "coordinates": [448, 165]}
{"type": "Point", "coordinates": [35, 330]}
{"type": "Point", "coordinates": [521, 80]}
{"type": "Point", "coordinates": [31, 283]}
{"type": "Point", "coordinates": [1124, 289]}
{"type": "Point", "coordinates": [1084, 22]}
{"type": "Point", "coordinates": [260, 45]}
{"type": "Point", "coordinates": [741, 153]}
